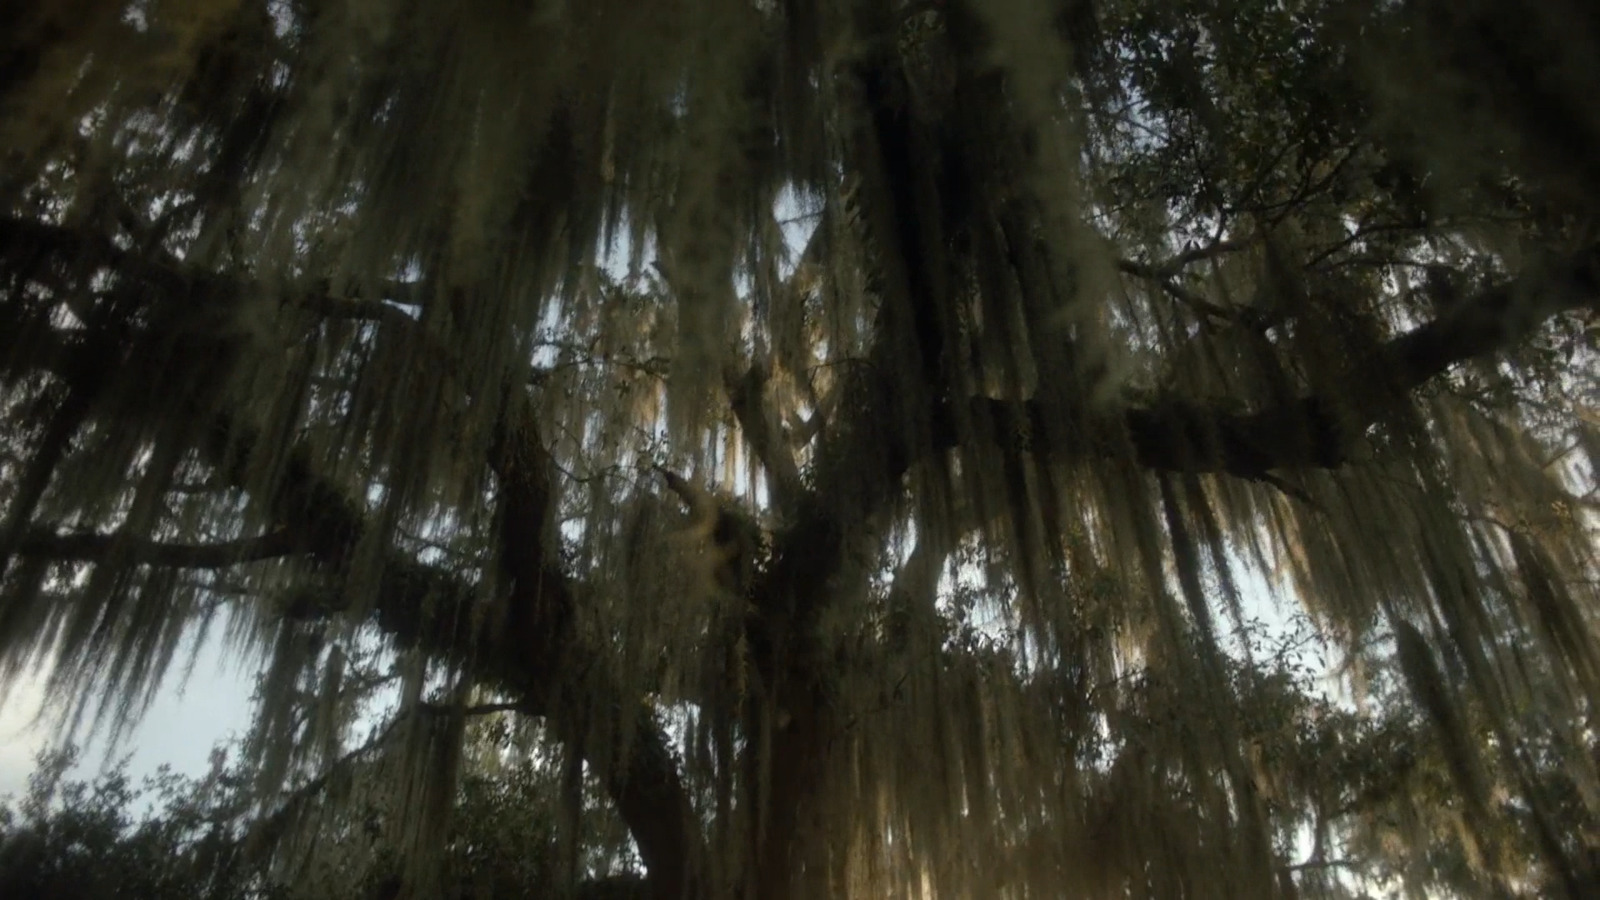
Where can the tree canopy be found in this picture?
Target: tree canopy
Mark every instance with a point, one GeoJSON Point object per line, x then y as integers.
{"type": "Point", "coordinates": [813, 449]}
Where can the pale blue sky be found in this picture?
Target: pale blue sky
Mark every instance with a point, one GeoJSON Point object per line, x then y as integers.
{"type": "Point", "coordinates": [180, 729]}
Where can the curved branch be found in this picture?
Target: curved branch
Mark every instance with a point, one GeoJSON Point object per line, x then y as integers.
{"type": "Point", "coordinates": [1316, 431]}
{"type": "Point", "coordinates": [1163, 277]}
{"type": "Point", "coordinates": [748, 398]}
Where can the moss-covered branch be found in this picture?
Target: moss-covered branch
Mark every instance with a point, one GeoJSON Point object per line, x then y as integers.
{"type": "Point", "coordinates": [84, 546]}
{"type": "Point", "coordinates": [1314, 431]}
{"type": "Point", "coordinates": [527, 647]}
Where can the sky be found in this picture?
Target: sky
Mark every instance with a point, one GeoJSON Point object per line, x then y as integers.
{"type": "Point", "coordinates": [180, 729]}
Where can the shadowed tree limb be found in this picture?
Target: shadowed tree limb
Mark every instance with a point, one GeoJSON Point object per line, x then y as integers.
{"type": "Point", "coordinates": [534, 652]}
{"type": "Point", "coordinates": [747, 395]}
{"type": "Point", "coordinates": [1164, 278]}
{"type": "Point", "coordinates": [129, 549]}
{"type": "Point", "coordinates": [1314, 432]}
{"type": "Point", "coordinates": [535, 655]}
{"type": "Point", "coordinates": [539, 647]}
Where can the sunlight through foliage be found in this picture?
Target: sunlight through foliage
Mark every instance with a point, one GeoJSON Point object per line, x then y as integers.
{"type": "Point", "coordinates": [786, 449]}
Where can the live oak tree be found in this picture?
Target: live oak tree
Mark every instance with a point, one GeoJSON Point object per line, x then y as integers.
{"type": "Point", "coordinates": [836, 445]}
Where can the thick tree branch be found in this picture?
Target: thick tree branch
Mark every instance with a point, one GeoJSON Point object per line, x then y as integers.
{"type": "Point", "coordinates": [912, 594]}
{"type": "Point", "coordinates": [747, 395]}
{"type": "Point", "coordinates": [132, 550]}
{"type": "Point", "coordinates": [1196, 254]}
{"type": "Point", "coordinates": [29, 241]}
{"type": "Point", "coordinates": [1318, 432]}
{"type": "Point", "coordinates": [1163, 277]}
{"type": "Point", "coordinates": [532, 650]}
{"type": "Point", "coordinates": [556, 668]}
{"type": "Point", "coordinates": [481, 709]}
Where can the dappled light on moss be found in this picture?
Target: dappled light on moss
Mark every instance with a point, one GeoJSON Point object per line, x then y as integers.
{"type": "Point", "coordinates": [825, 450]}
